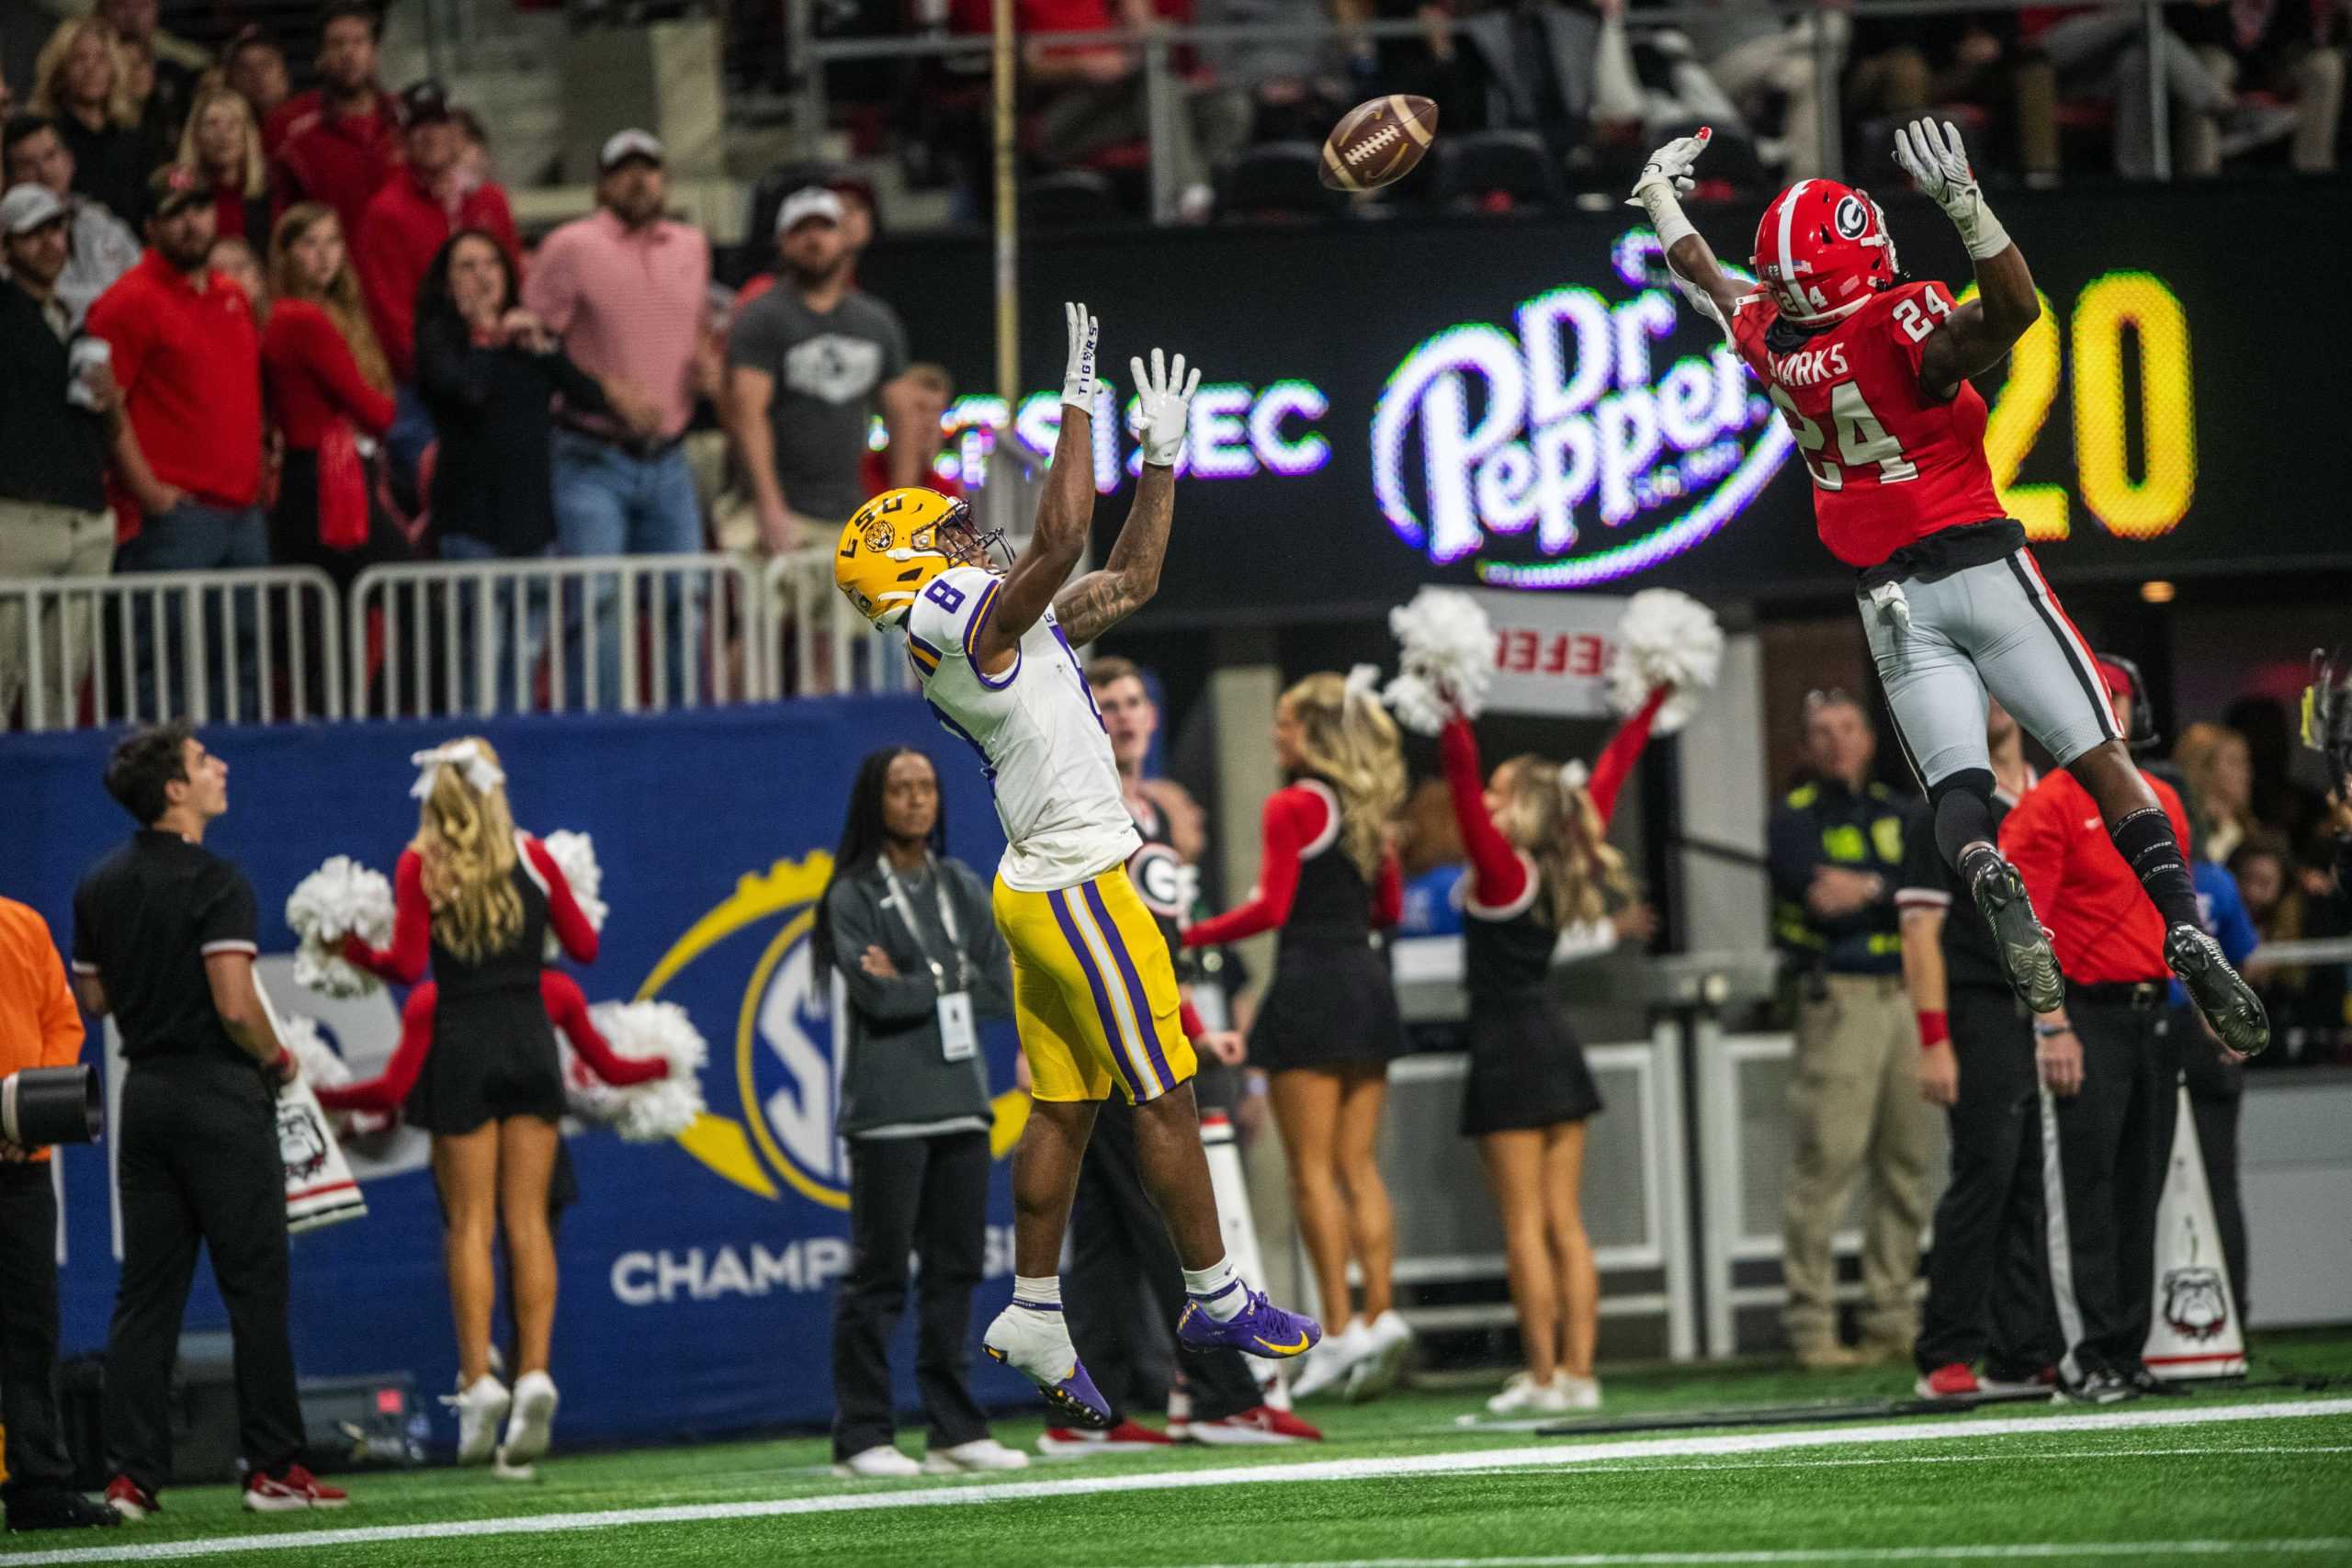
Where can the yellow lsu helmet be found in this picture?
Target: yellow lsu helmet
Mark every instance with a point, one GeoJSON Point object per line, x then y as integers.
{"type": "Point", "coordinates": [897, 544]}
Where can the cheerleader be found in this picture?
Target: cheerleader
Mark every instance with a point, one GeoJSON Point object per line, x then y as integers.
{"type": "Point", "coordinates": [1328, 1027]}
{"type": "Point", "coordinates": [477, 898]}
{"type": "Point", "coordinates": [1541, 870]}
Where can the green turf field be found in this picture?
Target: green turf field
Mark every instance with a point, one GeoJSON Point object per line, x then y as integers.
{"type": "Point", "coordinates": [2255, 1475]}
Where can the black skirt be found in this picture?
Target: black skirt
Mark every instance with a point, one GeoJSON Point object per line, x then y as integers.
{"type": "Point", "coordinates": [494, 1056]}
{"type": "Point", "coordinates": [1331, 1004]}
{"type": "Point", "coordinates": [294, 526]}
{"type": "Point", "coordinates": [1527, 1068]}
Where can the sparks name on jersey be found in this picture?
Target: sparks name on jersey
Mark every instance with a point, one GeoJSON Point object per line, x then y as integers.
{"type": "Point", "coordinates": [1890, 463]}
{"type": "Point", "coordinates": [1034, 729]}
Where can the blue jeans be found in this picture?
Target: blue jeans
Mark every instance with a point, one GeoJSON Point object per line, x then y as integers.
{"type": "Point", "coordinates": [411, 431]}
{"type": "Point", "coordinates": [608, 503]}
{"type": "Point", "coordinates": [536, 596]}
{"type": "Point", "coordinates": [193, 536]}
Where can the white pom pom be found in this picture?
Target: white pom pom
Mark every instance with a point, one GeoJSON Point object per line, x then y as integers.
{"type": "Point", "coordinates": [646, 1113]}
{"type": "Point", "coordinates": [1666, 639]}
{"type": "Point", "coordinates": [575, 855]}
{"type": "Point", "coordinates": [1447, 649]}
{"type": "Point", "coordinates": [339, 899]}
{"type": "Point", "coordinates": [320, 1065]}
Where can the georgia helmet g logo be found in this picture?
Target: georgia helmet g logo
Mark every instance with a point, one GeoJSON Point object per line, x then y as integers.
{"type": "Point", "coordinates": [1852, 218]}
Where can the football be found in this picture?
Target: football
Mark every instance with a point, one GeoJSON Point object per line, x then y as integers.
{"type": "Point", "coordinates": [1378, 141]}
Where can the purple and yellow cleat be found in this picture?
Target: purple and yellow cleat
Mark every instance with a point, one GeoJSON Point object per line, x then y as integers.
{"type": "Point", "coordinates": [1259, 1328]}
{"type": "Point", "coordinates": [1030, 1339]}
{"type": "Point", "coordinates": [1073, 1399]}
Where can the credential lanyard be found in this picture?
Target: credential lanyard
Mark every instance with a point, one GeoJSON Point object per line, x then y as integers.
{"type": "Point", "coordinates": [946, 923]}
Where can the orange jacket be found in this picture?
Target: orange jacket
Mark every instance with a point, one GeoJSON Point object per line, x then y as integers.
{"type": "Point", "coordinates": [39, 1024]}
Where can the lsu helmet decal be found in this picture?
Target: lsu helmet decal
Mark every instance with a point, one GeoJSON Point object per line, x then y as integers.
{"type": "Point", "coordinates": [896, 543]}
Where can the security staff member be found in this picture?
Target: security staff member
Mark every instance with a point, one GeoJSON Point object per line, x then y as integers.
{"type": "Point", "coordinates": [163, 936]}
{"type": "Point", "coordinates": [39, 1028]}
{"type": "Point", "coordinates": [1835, 849]}
{"type": "Point", "coordinates": [1988, 1279]}
{"type": "Point", "coordinates": [2110, 1066]}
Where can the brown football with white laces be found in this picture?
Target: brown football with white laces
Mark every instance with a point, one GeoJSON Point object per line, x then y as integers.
{"type": "Point", "coordinates": [1378, 141]}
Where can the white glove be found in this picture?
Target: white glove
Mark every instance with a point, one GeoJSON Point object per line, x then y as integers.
{"type": "Point", "coordinates": [1164, 403]}
{"type": "Point", "coordinates": [1937, 164]}
{"type": "Point", "coordinates": [1078, 374]}
{"type": "Point", "coordinates": [1664, 178]}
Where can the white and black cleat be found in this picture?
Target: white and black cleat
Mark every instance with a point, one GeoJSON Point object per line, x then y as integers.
{"type": "Point", "coordinates": [2018, 932]}
{"type": "Point", "coordinates": [2228, 1003]}
{"type": "Point", "coordinates": [2097, 1386]}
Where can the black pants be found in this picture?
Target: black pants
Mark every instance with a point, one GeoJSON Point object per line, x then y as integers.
{"type": "Point", "coordinates": [1123, 1263]}
{"type": "Point", "coordinates": [1988, 1279]}
{"type": "Point", "coordinates": [2216, 1094]}
{"type": "Point", "coordinates": [198, 1161]}
{"type": "Point", "coordinates": [2114, 1146]}
{"type": "Point", "coordinates": [928, 1196]}
{"type": "Point", "coordinates": [37, 1458]}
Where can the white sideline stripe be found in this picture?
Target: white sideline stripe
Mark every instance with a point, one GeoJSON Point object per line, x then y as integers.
{"type": "Point", "coordinates": [1555, 1456]}
{"type": "Point", "coordinates": [1988, 1457]}
{"type": "Point", "coordinates": [2020, 1550]}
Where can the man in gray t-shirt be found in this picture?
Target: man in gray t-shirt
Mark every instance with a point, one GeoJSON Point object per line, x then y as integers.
{"type": "Point", "coordinates": [808, 363]}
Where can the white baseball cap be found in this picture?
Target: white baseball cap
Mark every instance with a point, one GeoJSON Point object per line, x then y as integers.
{"type": "Point", "coordinates": [631, 143]}
{"type": "Point", "coordinates": [27, 206]}
{"type": "Point", "coordinates": [808, 201]}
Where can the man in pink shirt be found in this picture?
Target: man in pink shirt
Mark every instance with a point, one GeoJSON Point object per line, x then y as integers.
{"type": "Point", "coordinates": [627, 291]}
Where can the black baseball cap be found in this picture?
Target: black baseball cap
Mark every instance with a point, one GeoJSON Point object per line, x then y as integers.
{"type": "Point", "coordinates": [423, 103]}
{"type": "Point", "coordinates": [173, 189]}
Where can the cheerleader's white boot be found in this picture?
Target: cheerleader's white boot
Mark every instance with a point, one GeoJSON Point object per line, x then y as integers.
{"type": "Point", "coordinates": [479, 1410]}
{"type": "Point", "coordinates": [534, 1420]}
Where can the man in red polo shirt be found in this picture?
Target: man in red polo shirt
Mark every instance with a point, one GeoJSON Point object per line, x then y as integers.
{"type": "Point", "coordinates": [2109, 1069]}
{"type": "Point", "coordinates": [188, 453]}
{"type": "Point", "coordinates": [340, 141]}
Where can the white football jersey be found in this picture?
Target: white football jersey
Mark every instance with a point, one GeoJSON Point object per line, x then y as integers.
{"type": "Point", "coordinates": [1039, 739]}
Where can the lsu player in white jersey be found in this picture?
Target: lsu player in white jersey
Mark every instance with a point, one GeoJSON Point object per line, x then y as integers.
{"type": "Point", "coordinates": [1094, 991]}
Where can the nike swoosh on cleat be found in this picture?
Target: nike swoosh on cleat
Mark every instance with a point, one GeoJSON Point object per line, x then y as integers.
{"type": "Point", "coordinates": [1281, 1349]}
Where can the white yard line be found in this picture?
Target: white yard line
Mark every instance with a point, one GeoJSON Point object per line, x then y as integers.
{"type": "Point", "coordinates": [2046, 1551]}
{"type": "Point", "coordinates": [1550, 1456]}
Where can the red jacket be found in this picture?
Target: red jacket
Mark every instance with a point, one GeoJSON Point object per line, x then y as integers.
{"type": "Point", "coordinates": [312, 379]}
{"type": "Point", "coordinates": [342, 160]}
{"type": "Point", "coordinates": [403, 226]}
{"type": "Point", "coordinates": [2103, 927]}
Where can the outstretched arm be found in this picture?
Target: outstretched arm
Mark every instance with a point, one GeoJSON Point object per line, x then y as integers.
{"type": "Point", "coordinates": [1101, 600]}
{"type": "Point", "coordinates": [1063, 513]}
{"type": "Point", "coordinates": [1978, 335]}
{"type": "Point", "coordinates": [1698, 274]}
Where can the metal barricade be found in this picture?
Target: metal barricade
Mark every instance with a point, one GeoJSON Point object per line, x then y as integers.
{"type": "Point", "coordinates": [259, 646]}
{"type": "Point", "coordinates": [631, 633]}
{"type": "Point", "coordinates": [818, 644]}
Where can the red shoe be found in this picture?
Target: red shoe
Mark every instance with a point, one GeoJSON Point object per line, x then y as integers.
{"type": "Point", "coordinates": [296, 1490]}
{"type": "Point", "coordinates": [1126, 1437]}
{"type": "Point", "coordinates": [1258, 1427]}
{"type": "Point", "coordinates": [1953, 1379]}
{"type": "Point", "coordinates": [131, 1500]}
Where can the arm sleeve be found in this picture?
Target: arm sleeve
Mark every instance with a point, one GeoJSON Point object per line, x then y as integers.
{"type": "Point", "coordinates": [568, 1010]}
{"type": "Point", "coordinates": [756, 339]}
{"type": "Point", "coordinates": [1388, 892]}
{"type": "Point", "coordinates": [61, 1021]}
{"type": "Point", "coordinates": [950, 612]}
{"type": "Point", "coordinates": [329, 359]}
{"type": "Point", "coordinates": [385, 1091]}
{"type": "Point", "coordinates": [2033, 837]}
{"type": "Point", "coordinates": [1791, 849]}
{"type": "Point", "coordinates": [571, 926]}
{"type": "Point", "coordinates": [86, 934]}
{"type": "Point", "coordinates": [1292, 818]}
{"type": "Point", "coordinates": [449, 366]}
{"type": "Point", "coordinates": [228, 921]}
{"type": "Point", "coordinates": [1499, 875]}
{"type": "Point", "coordinates": [123, 329]}
{"type": "Point", "coordinates": [2233, 928]}
{"type": "Point", "coordinates": [403, 962]}
{"type": "Point", "coordinates": [1616, 761]}
{"type": "Point", "coordinates": [581, 391]}
{"type": "Point", "coordinates": [1188, 1019]}
{"type": "Point", "coordinates": [883, 998]}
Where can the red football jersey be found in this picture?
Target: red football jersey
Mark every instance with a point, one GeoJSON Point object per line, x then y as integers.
{"type": "Point", "coordinates": [1890, 464]}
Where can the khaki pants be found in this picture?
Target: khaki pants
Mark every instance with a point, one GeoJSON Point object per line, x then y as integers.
{"type": "Point", "coordinates": [1854, 1103]}
{"type": "Point", "coordinates": [39, 540]}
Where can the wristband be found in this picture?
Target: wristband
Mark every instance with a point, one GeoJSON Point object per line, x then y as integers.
{"type": "Point", "coordinates": [2052, 1031]}
{"type": "Point", "coordinates": [1979, 230]}
{"type": "Point", "coordinates": [1657, 199]}
{"type": "Point", "coordinates": [1935, 1029]}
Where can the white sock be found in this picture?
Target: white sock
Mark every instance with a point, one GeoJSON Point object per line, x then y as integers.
{"type": "Point", "coordinates": [1219, 1290]}
{"type": "Point", "coordinates": [1042, 1293]}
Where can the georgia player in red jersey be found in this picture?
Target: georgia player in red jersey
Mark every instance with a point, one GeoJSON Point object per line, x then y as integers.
{"type": "Point", "coordinates": [1870, 372]}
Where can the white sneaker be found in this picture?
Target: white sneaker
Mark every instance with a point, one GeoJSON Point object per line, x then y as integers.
{"type": "Point", "coordinates": [479, 1410]}
{"type": "Point", "coordinates": [1391, 1345]}
{"type": "Point", "coordinates": [981, 1453]}
{"type": "Point", "coordinates": [1582, 1393]}
{"type": "Point", "coordinates": [1523, 1396]}
{"type": "Point", "coordinates": [527, 1430]}
{"type": "Point", "coordinates": [880, 1462]}
{"type": "Point", "coordinates": [1329, 1363]}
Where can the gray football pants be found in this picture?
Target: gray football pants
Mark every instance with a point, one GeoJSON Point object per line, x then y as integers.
{"type": "Point", "coordinates": [1995, 628]}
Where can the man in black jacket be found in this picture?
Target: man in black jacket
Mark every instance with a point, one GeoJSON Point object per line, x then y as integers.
{"type": "Point", "coordinates": [58, 405]}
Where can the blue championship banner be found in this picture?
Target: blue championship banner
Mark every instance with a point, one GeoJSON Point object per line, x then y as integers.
{"type": "Point", "coordinates": [697, 1275]}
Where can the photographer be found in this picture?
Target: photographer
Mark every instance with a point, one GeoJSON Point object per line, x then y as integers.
{"type": "Point", "coordinates": [911, 936]}
{"type": "Point", "coordinates": [39, 1028]}
{"type": "Point", "coordinates": [164, 934]}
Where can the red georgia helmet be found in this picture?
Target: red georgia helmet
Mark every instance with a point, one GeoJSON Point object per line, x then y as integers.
{"type": "Point", "coordinates": [1822, 249]}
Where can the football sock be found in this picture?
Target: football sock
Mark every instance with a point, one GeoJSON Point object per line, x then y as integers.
{"type": "Point", "coordinates": [1963, 816]}
{"type": "Point", "coordinates": [2146, 842]}
{"type": "Point", "coordinates": [1041, 1294]}
{"type": "Point", "coordinates": [1218, 1288]}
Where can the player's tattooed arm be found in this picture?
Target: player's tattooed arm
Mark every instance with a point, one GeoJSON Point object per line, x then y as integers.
{"type": "Point", "coordinates": [1101, 600]}
{"type": "Point", "coordinates": [1064, 512]}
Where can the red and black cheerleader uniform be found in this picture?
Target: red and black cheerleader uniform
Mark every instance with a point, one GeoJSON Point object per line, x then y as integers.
{"type": "Point", "coordinates": [1527, 1068]}
{"type": "Point", "coordinates": [1332, 1003]}
{"type": "Point", "coordinates": [495, 1054]}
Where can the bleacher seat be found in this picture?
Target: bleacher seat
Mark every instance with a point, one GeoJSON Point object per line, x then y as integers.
{"type": "Point", "coordinates": [1278, 180]}
{"type": "Point", "coordinates": [1068, 198]}
{"type": "Point", "coordinates": [1495, 171]}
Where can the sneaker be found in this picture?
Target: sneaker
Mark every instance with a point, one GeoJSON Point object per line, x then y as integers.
{"type": "Point", "coordinates": [1392, 1347]}
{"type": "Point", "coordinates": [528, 1428]}
{"type": "Point", "coordinates": [1035, 1343]}
{"type": "Point", "coordinates": [1260, 1425]}
{"type": "Point", "coordinates": [1953, 1379]}
{"type": "Point", "coordinates": [2024, 946]}
{"type": "Point", "coordinates": [59, 1511]}
{"type": "Point", "coordinates": [2043, 1382]}
{"type": "Point", "coordinates": [880, 1462]}
{"type": "Point", "coordinates": [1523, 1396]}
{"type": "Point", "coordinates": [1259, 1328]}
{"type": "Point", "coordinates": [131, 1503]}
{"type": "Point", "coordinates": [1581, 1393]}
{"type": "Point", "coordinates": [290, 1493]}
{"type": "Point", "coordinates": [2144, 1381]}
{"type": "Point", "coordinates": [1126, 1437]}
{"type": "Point", "coordinates": [2228, 1003]}
{"type": "Point", "coordinates": [979, 1454]}
{"type": "Point", "coordinates": [2098, 1386]}
{"type": "Point", "coordinates": [1332, 1361]}
{"type": "Point", "coordinates": [479, 1410]}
